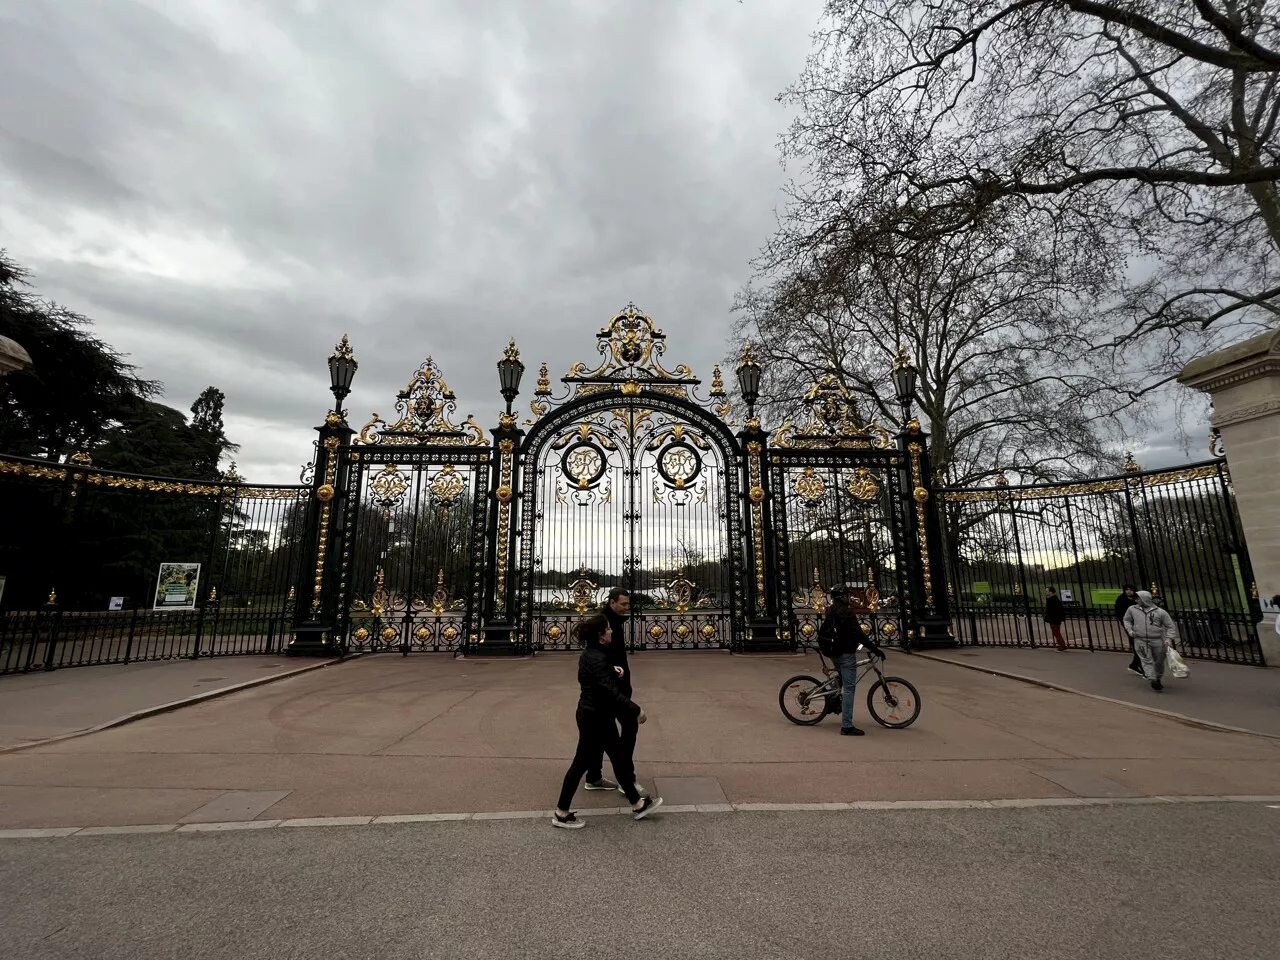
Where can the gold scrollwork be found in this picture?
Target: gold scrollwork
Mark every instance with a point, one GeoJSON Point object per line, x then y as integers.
{"type": "Point", "coordinates": [916, 450]}
{"type": "Point", "coordinates": [863, 485]}
{"type": "Point", "coordinates": [810, 486]}
{"type": "Point", "coordinates": [503, 547]}
{"type": "Point", "coordinates": [426, 407]}
{"type": "Point", "coordinates": [325, 492]}
{"type": "Point", "coordinates": [630, 344]}
{"type": "Point", "coordinates": [447, 486]}
{"type": "Point", "coordinates": [1083, 488]}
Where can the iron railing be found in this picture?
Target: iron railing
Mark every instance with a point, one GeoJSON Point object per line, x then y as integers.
{"type": "Point", "coordinates": [82, 552]}
{"type": "Point", "coordinates": [1173, 532]}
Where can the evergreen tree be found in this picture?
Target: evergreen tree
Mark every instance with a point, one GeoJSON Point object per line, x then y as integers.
{"type": "Point", "coordinates": [78, 386]}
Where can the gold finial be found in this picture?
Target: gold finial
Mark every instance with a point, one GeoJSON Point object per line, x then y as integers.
{"type": "Point", "coordinates": [53, 595]}
{"type": "Point", "coordinates": [748, 357]}
{"type": "Point", "coordinates": [343, 350]}
{"type": "Point", "coordinates": [213, 595]}
{"type": "Point", "coordinates": [291, 594]}
{"type": "Point", "coordinates": [717, 382]}
{"type": "Point", "coordinates": [511, 353]}
{"type": "Point", "coordinates": [1130, 464]}
{"type": "Point", "coordinates": [1253, 589]}
{"type": "Point", "coordinates": [81, 458]}
{"type": "Point", "coordinates": [544, 381]}
{"type": "Point", "coordinates": [1001, 479]}
{"type": "Point", "coordinates": [900, 359]}
{"type": "Point", "coordinates": [1155, 589]}
{"type": "Point", "coordinates": [232, 475]}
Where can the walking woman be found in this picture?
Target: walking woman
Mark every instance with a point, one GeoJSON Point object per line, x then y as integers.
{"type": "Point", "coordinates": [600, 705]}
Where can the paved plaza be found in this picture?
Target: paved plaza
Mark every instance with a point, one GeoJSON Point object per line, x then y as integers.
{"type": "Point", "coordinates": [385, 735]}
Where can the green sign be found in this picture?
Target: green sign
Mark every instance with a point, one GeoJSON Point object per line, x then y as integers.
{"type": "Point", "coordinates": [1104, 596]}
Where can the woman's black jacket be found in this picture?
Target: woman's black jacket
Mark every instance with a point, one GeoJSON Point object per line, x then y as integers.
{"type": "Point", "coordinates": [600, 696]}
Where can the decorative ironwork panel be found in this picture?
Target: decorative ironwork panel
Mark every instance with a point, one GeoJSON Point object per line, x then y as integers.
{"type": "Point", "coordinates": [413, 547]}
{"type": "Point", "coordinates": [838, 518]}
{"type": "Point", "coordinates": [633, 490]}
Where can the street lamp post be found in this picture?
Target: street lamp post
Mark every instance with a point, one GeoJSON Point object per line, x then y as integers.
{"type": "Point", "coordinates": [904, 381]}
{"type": "Point", "coordinates": [499, 634]}
{"type": "Point", "coordinates": [315, 614]}
{"type": "Point", "coordinates": [749, 379]}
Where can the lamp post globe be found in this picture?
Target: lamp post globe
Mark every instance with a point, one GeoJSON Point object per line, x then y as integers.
{"type": "Point", "coordinates": [342, 370]}
{"type": "Point", "coordinates": [510, 370]}
{"type": "Point", "coordinates": [904, 381]}
{"type": "Point", "coordinates": [749, 372]}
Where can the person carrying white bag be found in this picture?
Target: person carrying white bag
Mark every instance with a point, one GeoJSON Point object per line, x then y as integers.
{"type": "Point", "coordinates": [1153, 633]}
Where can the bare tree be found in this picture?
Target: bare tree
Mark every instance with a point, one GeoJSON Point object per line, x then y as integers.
{"type": "Point", "coordinates": [1156, 119]}
{"type": "Point", "coordinates": [1000, 323]}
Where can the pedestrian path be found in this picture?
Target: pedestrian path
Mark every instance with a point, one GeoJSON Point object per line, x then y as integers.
{"type": "Point", "coordinates": [1237, 696]}
{"type": "Point", "coordinates": [39, 706]}
{"type": "Point", "coordinates": [388, 736]}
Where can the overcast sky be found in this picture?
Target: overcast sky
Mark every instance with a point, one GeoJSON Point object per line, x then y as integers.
{"type": "Point", "coordinates": [228, 186]}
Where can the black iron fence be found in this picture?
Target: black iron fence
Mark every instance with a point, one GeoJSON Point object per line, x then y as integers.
{"type": "Point", "coordinates": [100, 566]}
{"type": "Point", "coordinates": [1173, 532]}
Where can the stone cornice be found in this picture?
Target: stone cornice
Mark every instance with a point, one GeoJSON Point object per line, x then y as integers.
{"type": "Point", "coordinates": [1232, 416]}
{"type": "Point", "coordinates": [1253, 359]}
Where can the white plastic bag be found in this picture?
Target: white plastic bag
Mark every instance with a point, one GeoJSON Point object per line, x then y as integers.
{"type": "Point", "coordinates": [1177, 666]}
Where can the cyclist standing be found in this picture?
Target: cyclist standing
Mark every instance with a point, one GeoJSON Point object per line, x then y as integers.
{"type": "Point", "coordinates": [842, 630]}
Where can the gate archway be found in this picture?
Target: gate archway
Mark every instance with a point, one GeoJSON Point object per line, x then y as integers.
{"type": "Point", "coordinates": [630, 479]}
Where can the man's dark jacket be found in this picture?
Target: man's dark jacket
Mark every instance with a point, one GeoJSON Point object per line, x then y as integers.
{"type": "Point", "coordinates": [617, 649]}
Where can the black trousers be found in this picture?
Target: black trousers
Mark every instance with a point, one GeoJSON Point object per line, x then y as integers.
{"type": "Point", "coordinates": [597, 736]}
{"type": "Point", "coordinates": [627, 743]}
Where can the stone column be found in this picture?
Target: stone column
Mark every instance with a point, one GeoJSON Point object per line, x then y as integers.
{"type": "Point", "coordinates": [1243, 382]}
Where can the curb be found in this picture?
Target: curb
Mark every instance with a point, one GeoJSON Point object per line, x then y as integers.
{"type": "Point", "coordinates": [177, 705]}
{"type": "Point", "coordinates": [1155, 711]}
{"type": "Point", "coordinates": [878, 806]}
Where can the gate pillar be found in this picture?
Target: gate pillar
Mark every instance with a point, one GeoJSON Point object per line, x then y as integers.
{"type": "Point", "coordinates": [501, 632]}
{"type": "Point", "coordinates": [926, 572]}
{"type": "Point", "coordinates": [766, 624]}
{"type": "Point", "coordinates": [315, 609]}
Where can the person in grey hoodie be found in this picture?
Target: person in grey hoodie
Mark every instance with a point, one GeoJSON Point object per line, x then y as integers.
{"type": "Point", "coordinates": [1151, 628]}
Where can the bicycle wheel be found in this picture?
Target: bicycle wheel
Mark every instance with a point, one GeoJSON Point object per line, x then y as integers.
{"type": "Point", "coordinates": [794, 699]}
{"type": "Point", "coordinates": [893, 703]}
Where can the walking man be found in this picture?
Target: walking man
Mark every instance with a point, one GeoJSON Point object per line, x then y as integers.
{"type": "Point", "coordinates": [1123, 603]}
{"type": "Point", "coordinates": [617, 609]}
{"type": "Point", "coordinates": [1151, 629]}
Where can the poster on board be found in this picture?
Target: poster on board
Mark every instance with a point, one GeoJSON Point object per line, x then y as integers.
{"type": "Point", "coordinates": [177, 586]}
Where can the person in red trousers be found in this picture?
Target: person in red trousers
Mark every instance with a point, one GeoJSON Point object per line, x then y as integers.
{"type": "Point", "coordinates": [1054, 615]}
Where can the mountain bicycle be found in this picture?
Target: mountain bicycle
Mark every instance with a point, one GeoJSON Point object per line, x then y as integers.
{"type": "Point", "coordinates": [892, 701]}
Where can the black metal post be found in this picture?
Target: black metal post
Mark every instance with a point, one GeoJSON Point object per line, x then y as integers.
{"type": "Point", "coordinates": [766, 621]}
{"type": "Point", "coordinates": [501, 631]}
{"type": "Point", "coordinates": [315, 611]}
{"type": "Point", "coordinates": [925, 559]}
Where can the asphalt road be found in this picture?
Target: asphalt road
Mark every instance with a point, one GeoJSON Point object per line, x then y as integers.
{"type": "Point", "coordinates": [1160, 882]}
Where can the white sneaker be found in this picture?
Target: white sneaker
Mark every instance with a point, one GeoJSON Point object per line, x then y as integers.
{"type": "Point", "coordinates": [650, 804]}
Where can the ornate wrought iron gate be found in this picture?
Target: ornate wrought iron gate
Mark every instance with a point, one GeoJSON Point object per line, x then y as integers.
{"type": "Point", "coordinates": [413, 525]}
{"type": "Point", "coordinates": [629, 479]}
{"type": "Point", "coordinates": [839, 516]}
{"type": "Point", "coordinates": [427, 535]}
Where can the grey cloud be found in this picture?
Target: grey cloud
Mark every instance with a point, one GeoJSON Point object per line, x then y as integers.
{"type": "Point", "coordinates": [430, 177]}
